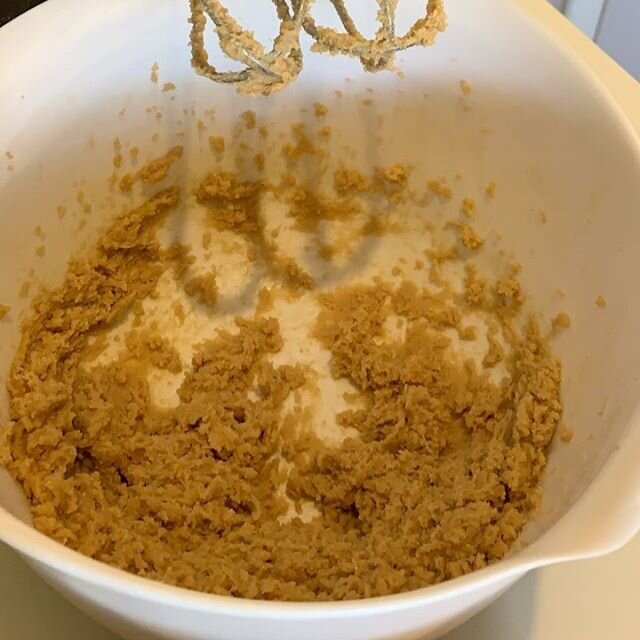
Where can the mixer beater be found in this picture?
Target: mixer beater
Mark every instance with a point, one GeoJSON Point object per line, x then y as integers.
{"type": "Point", "coordinates": [266, 71]}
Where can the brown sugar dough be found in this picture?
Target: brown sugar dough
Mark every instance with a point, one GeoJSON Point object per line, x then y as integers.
{"type": "Point", "coordinates": [566, 434]}
{"type": "Point", "coordinates": [438, 477]}
{"type": "Point", "coordinates": [154, 349]}
{"type": "Point", "coordinates": [320, 110]}
{"type": "Point", "coordinates": [204, 289]}
{"type": "Point", "coordinates": [348, 181]}
{"type": "Point", "coordinates": [561, 321]}
{"type": "Point", "coordinates": [249, 118]}
{"type": "Point", "coordinates": [469, 207]}
{"type": "Point", "coordinates": [217, 143]}
{"type": "Point", "coordinates": [155, 67]}
{"type": "Point", "coordinates": [465, 88]}
{"type": "Point", "coordinates": [4, 311]}
{"type": "Point", "coordinates": [154, 171]}
{"type": "Point", "coordinates": [157, 170]}
{"type": "Point", "coordinates": [437, 445]}
{"type": "Point", "coordinates": [467, 235]}
{"type": "Point", "coordinates": [440, 188]}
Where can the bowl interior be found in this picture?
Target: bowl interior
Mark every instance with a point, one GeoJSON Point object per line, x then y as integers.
{"type": "Point", "coordinates": [533, 123]}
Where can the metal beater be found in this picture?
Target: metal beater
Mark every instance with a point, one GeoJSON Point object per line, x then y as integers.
{"type": "Point", "coordinates": [267, 71]}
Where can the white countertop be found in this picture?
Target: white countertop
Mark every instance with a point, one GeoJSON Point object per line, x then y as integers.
{"type": "Point", "coordinates": [588, 600]}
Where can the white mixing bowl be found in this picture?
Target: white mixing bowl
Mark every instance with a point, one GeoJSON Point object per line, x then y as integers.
{"type": "Point", "coordinates": [538, 123]}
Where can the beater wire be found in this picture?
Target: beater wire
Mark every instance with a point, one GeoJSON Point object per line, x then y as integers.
{"type": "Point", "coordinates": [267, 71]}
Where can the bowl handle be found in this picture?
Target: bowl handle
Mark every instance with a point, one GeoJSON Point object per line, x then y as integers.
{"type": "Point", "coordinates": [607, 515]}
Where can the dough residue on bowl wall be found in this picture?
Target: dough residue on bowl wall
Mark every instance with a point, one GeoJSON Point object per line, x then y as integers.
{"type": "Point", "coordinates": [229, 415]}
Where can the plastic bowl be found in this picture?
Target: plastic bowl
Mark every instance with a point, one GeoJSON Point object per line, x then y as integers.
{"type": "Point", "coordinates": [538, 123]}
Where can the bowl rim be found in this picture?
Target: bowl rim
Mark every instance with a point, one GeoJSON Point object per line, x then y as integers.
{"type": "Point", "coordinates": [38, 547]}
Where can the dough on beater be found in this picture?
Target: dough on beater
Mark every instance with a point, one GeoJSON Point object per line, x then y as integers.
{"type": "Point", "coordinates": [265, 72]}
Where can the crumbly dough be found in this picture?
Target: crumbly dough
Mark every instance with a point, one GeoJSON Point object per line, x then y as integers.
{"type": "Point", "coordinates": [469, 207]}
{"type": "Point", "coordinates": [153, 74]}
{"type": "Point", "coordinates": [566, 434]}
{"type": "Point", "coordinates": [561, 321]}
{"type": "Point", "coordinates": [217, 143]}
{"type": "Point", "coordinates": [440, 188]}
{"type": "Point", "coordinates": [437, 476]}
{"type": "Point", "coordinates": [320, 110]}
{"type": "Point", "coordinates": [4, 311]}
{"type": "Point", "coordinates": [204, 289]}
{"type": "Point", "coordinates": [158, 169]}
{"type": "Point", "coordinates": [249, 118]}
{"type": "Point", "coordinates": [347, 181]}
{"type": "Point", "coordinates": [467, 235]}
{"type": "Point", "coordinates": [154, 171]}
